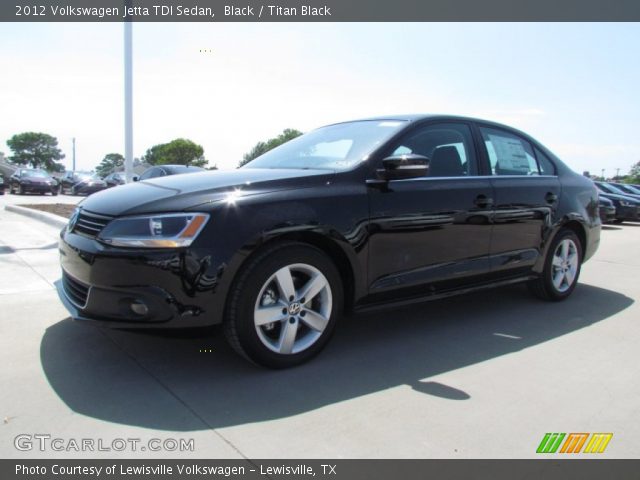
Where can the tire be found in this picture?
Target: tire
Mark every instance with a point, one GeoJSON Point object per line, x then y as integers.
{"type": "Point", "coordinates": [274, 283]}
{"type": "Point", "coordinates": [561, 268]}
{"type": "Point", "coordinates": [619, 221]}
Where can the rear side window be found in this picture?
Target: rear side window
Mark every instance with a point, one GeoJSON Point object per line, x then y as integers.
{"type": "Point", "coordinates": [509, 154]}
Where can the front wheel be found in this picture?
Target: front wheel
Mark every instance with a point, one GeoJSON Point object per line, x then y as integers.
{"type": "Point", "coordinates": [284, 306]}
{"type": "Point", "coordinates": [561, 268]}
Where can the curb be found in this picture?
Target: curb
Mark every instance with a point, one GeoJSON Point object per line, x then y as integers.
{"type": "Point", "coordinates": [45, 217]}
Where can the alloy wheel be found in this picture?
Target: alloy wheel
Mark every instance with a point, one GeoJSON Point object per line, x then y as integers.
{"type": "Point", "coordinates": [293, 309]}
{"type": "Point", "coordinates": [564, 265]}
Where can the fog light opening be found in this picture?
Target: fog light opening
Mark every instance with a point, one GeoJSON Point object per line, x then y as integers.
{"type": "Point", "coordinates": [139, 307]}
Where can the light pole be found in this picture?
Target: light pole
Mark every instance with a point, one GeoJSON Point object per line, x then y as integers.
{"type": "Point", "coordinates": [617, 173]}
{"type": "Point", "coordinates": [128, 94]}
{"type": "Point", "coordinates": [603, 174]}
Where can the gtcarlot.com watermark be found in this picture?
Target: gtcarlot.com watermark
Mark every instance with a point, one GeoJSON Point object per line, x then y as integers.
{"type": "Point", "coordinates": [43, 442]}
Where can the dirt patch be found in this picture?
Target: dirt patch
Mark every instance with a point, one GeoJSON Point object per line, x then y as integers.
{"type": "Point", "coordinates": [62, 209]}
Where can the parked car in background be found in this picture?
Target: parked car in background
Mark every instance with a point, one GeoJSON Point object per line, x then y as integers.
{"type": "Point", "coordinates": [615, 190]}
{"type": "Point", "coordinates": [607, 210]}
{"type": "Point", "coordinates": [351, 216]}
{"type": "Point", "coordinates": [166, 170]}
{"type": "Point", "coordinates": [117, 178]}
{"type": "Point", "coordinates": [32, 180]}
{"type": "Point", "coordinates": [627, 189]}
{"type": "Point", "coordinates": [81, 183]}
{"type": "Point", "coordinates": [1, 184]}
{"type": "Point", "coordinates": [627, 208]}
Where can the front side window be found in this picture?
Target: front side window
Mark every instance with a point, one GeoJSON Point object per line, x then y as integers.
{"type": "Point", "coordinates": [509, 154]}
{"type": "Point", "coordinates": [448, 148]}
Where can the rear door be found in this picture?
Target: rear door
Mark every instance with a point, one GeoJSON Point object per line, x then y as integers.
{"type": "Point", "coordinates": [430, 230]}
{"type": "Point", "coordinates": [527, 192]}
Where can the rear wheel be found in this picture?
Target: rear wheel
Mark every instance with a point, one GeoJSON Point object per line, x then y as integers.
{"type": "Point", "coordinates": [284, 306]}
{"type": "Point", "coordinates": [561, 268]}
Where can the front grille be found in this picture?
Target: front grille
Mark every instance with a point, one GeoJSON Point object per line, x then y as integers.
{"type": "Point", "coordinates": [77, 292]}
{"type": "Point", "coordinates": [90, 224]}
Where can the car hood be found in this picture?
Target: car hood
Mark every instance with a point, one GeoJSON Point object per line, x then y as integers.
{"type": "Point", "coordinates": [182, 192]}
{"type": "Point", "coordinates": [39, 179]}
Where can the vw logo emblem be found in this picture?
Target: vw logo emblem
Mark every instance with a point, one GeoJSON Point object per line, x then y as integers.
{"type": "Point", "coordinates": [73, 220]}
{"type": "Point", "coordinates": [294, 308]}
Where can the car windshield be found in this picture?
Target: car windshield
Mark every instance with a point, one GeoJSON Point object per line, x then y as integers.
{"type": "Point", "coordinates": [35, 173]}
{"type": "Point", "coordinates": [629, 189]}
{"type": "Point", "coordinates": [335, 147]}
{"type": "Point", "coordinates": [607, 187]}
{"type": "Point", "coordinates": [86, 175]}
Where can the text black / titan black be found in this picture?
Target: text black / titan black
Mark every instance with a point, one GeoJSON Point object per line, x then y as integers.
{"type": "Point", "coordinates": [350, 216]}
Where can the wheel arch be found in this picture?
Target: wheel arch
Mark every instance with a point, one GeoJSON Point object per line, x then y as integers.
{"type": "Point", "coordinates": [570, 223]}
{"type": "Point", "coordinates": [344, 263]}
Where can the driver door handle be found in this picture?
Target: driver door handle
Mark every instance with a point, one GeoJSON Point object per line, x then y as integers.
{"type": "Point", "coordinates": [483, 201]}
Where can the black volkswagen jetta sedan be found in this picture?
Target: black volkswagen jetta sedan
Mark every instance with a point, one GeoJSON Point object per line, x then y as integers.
{"type": "Point", "coordinates": [348, 217]}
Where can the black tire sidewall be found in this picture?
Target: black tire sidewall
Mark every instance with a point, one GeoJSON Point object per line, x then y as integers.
{"type": "Point", "coordinates": [255, 278]}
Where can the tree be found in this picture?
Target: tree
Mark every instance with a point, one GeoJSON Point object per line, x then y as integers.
{"type": "Point", "coordinates": [261, 148]}
{"type": "Point", "coordinates": [634, 174]}
{"type": "Point", "coordinates": [180, 151]}
{"type": "Point", "coordinates": [109, 164]}
{"type": "Point", "coordinates": [36, 149]}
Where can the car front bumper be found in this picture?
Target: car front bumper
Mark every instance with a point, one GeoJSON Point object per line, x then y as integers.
{"type": "Point", "coordinates": [628, 213]}
{"type": "Point", "coordinates": [607, 214]}
{"type": "Point", "coordinates": [108, 286]}
{"type": "Point", "coordinates": [38, 188]}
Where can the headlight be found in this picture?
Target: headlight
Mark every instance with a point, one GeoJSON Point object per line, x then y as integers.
{"type": "Point", "coordinates": [624, 203]}
{"type": "Point", "coordinates": [154, 231]}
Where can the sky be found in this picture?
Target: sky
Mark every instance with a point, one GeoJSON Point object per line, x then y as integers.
{"type": "Point", "coordinates": [573, 86]}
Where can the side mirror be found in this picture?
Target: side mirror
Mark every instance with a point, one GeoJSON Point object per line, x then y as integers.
{"type": "Point", "coordinates": [398, 167]}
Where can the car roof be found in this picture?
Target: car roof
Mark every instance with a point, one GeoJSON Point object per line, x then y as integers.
{"type": "Point", "coordinates": [419, 117]}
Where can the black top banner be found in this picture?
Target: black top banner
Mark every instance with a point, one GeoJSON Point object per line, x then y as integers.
{"type": "Point", "coordinates": [319, 10]}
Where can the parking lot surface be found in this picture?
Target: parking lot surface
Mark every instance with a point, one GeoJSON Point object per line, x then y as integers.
{"type": "Point", "coordinates": [475, 376]}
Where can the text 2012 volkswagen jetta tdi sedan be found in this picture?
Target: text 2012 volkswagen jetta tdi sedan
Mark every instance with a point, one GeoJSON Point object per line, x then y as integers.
{"type": "Point", "coordinates": [349, 216]}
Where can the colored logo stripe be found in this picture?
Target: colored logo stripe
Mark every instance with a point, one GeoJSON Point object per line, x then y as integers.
{"type": "Point", "coordinates": [550, 443]}
{"type": "Point", "coordinates": [598, 442]}
{"type": "Point", "coordinates": [574, 443]}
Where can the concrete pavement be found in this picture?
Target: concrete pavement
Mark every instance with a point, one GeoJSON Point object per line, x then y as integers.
{"type": "Point", "coordinates": [476, 376]}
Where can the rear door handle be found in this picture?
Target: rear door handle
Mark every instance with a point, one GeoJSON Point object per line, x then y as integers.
{"type": "Point", "coordinates": [551, 197]}
{"type": "Point", "coordinates": [483, 201]}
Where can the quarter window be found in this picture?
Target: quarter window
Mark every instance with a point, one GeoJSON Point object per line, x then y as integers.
{"type": "Point", "coordinates": [509, 154]}
{"type": "Point", "coordinates": [546, 166]}
{"type": "Point", "coordinates": [448, 147]}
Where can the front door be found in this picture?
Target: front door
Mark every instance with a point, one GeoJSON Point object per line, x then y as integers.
{"type": "Point", "coordinates": [429, 230]}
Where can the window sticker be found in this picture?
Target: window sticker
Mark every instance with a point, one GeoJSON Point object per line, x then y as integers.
{"type": "Point", "coordinates": [510, 152]}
